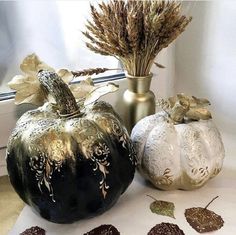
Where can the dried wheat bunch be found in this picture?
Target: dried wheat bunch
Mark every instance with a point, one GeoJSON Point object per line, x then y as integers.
{"type": "Point", "coordinates": [134, 31]}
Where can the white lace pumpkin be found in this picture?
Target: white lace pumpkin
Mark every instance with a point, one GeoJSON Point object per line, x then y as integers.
{"type": "Point", "coordinates": [181, 156]}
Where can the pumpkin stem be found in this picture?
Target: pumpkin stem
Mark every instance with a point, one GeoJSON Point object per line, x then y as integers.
{"type": "Point", "coordinates": [59, 90]}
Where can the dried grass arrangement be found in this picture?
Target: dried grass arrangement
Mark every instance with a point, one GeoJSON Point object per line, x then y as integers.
{"type": "Point", "coordinates": [134, 31]}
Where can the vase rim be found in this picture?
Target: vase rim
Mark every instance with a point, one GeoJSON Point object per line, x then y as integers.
{"type": "Point", "coordinates": [138, 77]}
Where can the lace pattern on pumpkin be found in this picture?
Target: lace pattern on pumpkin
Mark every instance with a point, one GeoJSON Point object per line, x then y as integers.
{"type": "Point", "coordinates": [114, 127]}
{"type": "Point", "coordinates": [101, 163]}
{"type": "Point", "coordinates": [44, 168]}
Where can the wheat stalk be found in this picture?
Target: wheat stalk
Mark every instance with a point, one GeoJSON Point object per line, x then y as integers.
{"type": "Point", "coordinates": [134, 31]}
{"type": "Point", "coordinates": [91, 71]}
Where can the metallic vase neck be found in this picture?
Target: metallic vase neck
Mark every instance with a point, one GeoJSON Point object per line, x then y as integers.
{"type": "Point", "coordinates": [139, 85]}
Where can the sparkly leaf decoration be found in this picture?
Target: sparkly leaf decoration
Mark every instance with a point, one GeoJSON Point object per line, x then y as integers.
{"type": "Point", "coordinates": [203, 220]}
{"type": "Point", "coordinates": [34, 231]}
{"type": "Point", "coordinates": [166, 228]}
{"type": "Point", "coordinates": [162, 207]}
{"type": "Point", "coordinates": [104, 229]}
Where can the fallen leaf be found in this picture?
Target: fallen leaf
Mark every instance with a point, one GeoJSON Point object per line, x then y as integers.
{"type": "Point", "coordinates": [166, 228]}
{"type": "Point", "coordinates": [203, 220]}
{"type": "Point", "coordinates": [103, 230]}
{"type": "Point", "coordinates": [34, 231]}
{"type": "Point", "coordinates": [162, 207]}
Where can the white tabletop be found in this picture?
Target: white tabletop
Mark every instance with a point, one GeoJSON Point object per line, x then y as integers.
{"type": "Point", "coordinates": [131, 214]}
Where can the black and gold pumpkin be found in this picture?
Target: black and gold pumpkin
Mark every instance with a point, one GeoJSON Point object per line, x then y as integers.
{"type": "Point", "coordinates": [67, 162]}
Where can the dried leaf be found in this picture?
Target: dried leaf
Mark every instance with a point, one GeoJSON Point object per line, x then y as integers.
{"type": "Point", "coordinates": [162, 208]}
{"type": "Point", "coordinates": [34, 231]}
{"type": "Point", "coordinates": [166, 228]}
{"type": "Point", "coordinates": [203, 220]}
{"type": "Point", "coordinates": [104, 229]}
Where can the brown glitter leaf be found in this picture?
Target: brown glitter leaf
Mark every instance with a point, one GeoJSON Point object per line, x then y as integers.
{"type": "Point", "coordinates": [35, 230]}
{"type": "Point", "coordinates": [104, 229]}
{"type": "Point", "coordinates": [203, 220]}
{"type": "Point", "coordinates": [166, 228]}
{"type": "Point", "coordinates": [162, 207]}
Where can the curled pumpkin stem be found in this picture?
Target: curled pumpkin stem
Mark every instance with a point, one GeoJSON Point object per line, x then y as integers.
{"type": "Point", "coordinates": [181, 108]}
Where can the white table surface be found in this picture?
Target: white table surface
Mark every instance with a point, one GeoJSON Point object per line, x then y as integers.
{"type": "Point", "coordinates": [131, 214]}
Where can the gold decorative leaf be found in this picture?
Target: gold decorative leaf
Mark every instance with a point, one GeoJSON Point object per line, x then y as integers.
{"type": "Point", "coordinates": [100, 91]}
{"type": "Point", "coordinates": [66, 75]}
{"type": "Point", "coordinates": [80, 90]}
{"type": "Point", "coordinates": [27, 86]}
{"type": "Point", "coordinates": [31, 65]}
{"type": "Point", "coordinates": [28, 90]}
{"type": "Point", "coordinates": [182, 107]}
{"type": "Point", "coordinates": [90, 93]}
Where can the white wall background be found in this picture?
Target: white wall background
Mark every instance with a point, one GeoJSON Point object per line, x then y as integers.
{"type": "Point", "coordinates": [206, 59]}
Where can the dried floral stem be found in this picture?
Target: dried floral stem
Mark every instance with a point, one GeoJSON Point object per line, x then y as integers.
{"type": "Point", "coordinates": [134, 31]}
{"type": "Point", "coordinates": [87, 72]}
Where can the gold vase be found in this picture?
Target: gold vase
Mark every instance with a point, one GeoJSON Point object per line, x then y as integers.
{"type": "Point", "coordinates": [138, 100]}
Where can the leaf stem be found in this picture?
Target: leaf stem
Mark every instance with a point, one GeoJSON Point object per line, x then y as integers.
{"type": "Point", "coordinates": [211, 202]}
{"type": "Point", "coordinates": [152, 197]}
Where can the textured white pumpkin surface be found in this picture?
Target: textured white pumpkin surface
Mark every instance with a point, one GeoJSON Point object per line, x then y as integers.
{"type": "Point", "coordinates": [181, 156]}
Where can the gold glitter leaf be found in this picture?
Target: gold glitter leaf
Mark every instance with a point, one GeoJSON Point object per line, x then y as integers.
{"type": "Point", "coordinates": [162, 208]}
{"type": "Point", "coordinates": [203, 220]}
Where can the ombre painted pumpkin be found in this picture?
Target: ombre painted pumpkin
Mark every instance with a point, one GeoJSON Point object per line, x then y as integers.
{"type": "Point", "coordinates": [69, 163]}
